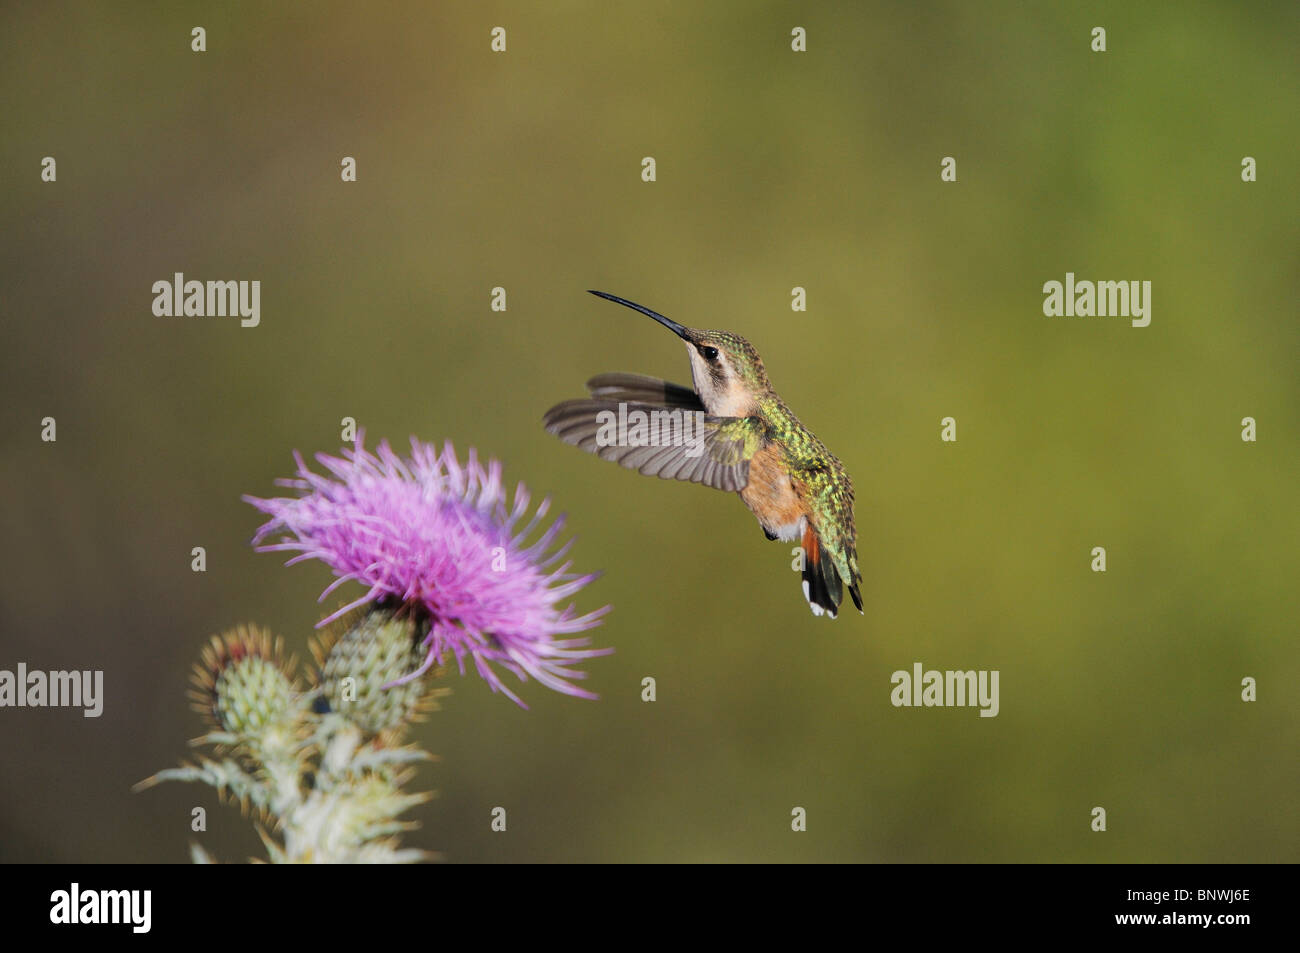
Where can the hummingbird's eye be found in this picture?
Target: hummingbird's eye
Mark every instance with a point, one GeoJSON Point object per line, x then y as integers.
{"type": "Point", "coordinates": [710, 353]}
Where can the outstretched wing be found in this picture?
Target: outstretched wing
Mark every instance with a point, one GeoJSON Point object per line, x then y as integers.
{"type": "Point", "coordinates": [640, 388]}
{"type": "Point", "coordinates": [676, 443]}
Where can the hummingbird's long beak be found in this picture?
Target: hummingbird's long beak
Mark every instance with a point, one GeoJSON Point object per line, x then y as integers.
{"type": "Point", "coordinates": [681, 331]}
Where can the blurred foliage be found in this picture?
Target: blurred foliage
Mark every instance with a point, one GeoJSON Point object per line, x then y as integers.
{"type": "Point", "coordinates": [775, 169]}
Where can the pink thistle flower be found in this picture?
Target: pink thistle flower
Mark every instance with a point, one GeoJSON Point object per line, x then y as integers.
{"type": "Point", "coordinates": [439, 538]}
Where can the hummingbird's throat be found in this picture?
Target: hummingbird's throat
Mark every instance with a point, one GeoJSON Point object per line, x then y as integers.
{"type": "Point", "coordinates": [721, 394]}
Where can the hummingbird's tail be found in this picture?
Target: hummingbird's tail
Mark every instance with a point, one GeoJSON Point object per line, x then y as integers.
{"type": "Point", "coordinates": [822, 586]}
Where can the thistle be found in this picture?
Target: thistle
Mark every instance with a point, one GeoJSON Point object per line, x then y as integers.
{"type": "Point", "coordinates": [449, 573]}
{"type": "Point", "coordinates": [439, 539]}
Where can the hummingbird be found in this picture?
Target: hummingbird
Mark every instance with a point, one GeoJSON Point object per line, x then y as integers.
{"type": "Point", "coordinates": [747, 441]}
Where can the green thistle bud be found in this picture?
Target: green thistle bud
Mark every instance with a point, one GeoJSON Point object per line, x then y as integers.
{"type": "Point", "coordinates": [375, 650]}
{"type": "Point", "coordinates": [242, 682]}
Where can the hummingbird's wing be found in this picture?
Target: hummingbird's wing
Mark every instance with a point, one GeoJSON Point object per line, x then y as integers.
{"type": "Point", "coordinates": [673, 443]}
{"type": "Point", "coordinates": [643, 389]}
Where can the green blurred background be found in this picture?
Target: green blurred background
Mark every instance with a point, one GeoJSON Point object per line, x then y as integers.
{"type": "Point", "coordinates": [775, 169]}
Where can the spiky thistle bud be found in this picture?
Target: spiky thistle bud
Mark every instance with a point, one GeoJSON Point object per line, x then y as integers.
{"type": "Point", "coordinates": [242, 682]}
{"type": "Point", "coordinates": [362, 661]}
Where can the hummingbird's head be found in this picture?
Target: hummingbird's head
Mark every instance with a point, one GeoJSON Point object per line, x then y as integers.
{"type": "Point", "coordinates": [726, 369]}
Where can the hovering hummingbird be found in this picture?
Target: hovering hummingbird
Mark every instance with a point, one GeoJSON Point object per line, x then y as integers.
{"type": "Point", "coordinates": [748, 442]}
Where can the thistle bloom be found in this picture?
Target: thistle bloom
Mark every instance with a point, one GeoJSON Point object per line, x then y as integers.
{"type": "Point", "coordinates": [439, 538]}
